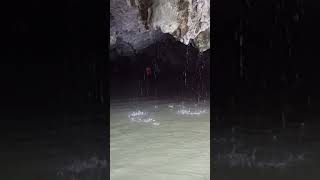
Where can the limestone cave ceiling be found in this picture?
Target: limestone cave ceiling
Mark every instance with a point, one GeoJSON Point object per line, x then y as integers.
{"type": "Point", "coordinates": [136, 24]}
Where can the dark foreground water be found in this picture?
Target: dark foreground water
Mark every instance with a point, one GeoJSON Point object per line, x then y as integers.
{"type": "Point", "coordinates": [278, 154]}
{"type": "Point", "coordinates": [54, 147]}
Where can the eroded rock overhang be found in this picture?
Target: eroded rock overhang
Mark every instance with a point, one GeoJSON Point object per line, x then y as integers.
{"type": "Point", "coordinates": [135, 24]}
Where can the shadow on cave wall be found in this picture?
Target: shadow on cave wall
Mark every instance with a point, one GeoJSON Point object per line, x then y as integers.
{"type": "Point", "coordinates": [170, 57]}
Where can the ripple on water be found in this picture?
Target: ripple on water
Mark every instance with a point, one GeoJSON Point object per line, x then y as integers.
{"type": "Point", "coordinates": [142, 117]}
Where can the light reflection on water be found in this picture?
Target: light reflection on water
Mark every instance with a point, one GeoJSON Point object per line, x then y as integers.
{"type": "Point", "coordinates": [178, 148]}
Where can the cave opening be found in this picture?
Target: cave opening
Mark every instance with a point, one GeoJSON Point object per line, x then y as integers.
{"type": "Point", "coordinates": [157, 93]}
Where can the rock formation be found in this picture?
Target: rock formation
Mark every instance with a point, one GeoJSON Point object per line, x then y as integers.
{"type": "Point", "coordinates": [135, 24]}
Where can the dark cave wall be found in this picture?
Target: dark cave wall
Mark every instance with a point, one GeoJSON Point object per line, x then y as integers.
{"type": "Point", "coordinates": [127, 72]}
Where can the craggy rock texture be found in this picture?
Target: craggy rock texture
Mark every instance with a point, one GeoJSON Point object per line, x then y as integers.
{"type": "Point", "coordinates": [127, 32]}
{"type": "Point", "coordinates": [202, 41]}
{"type": "Point", "coordinates": [135, 24]}
{"type": "Point", "coordinates": [186, 20]}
